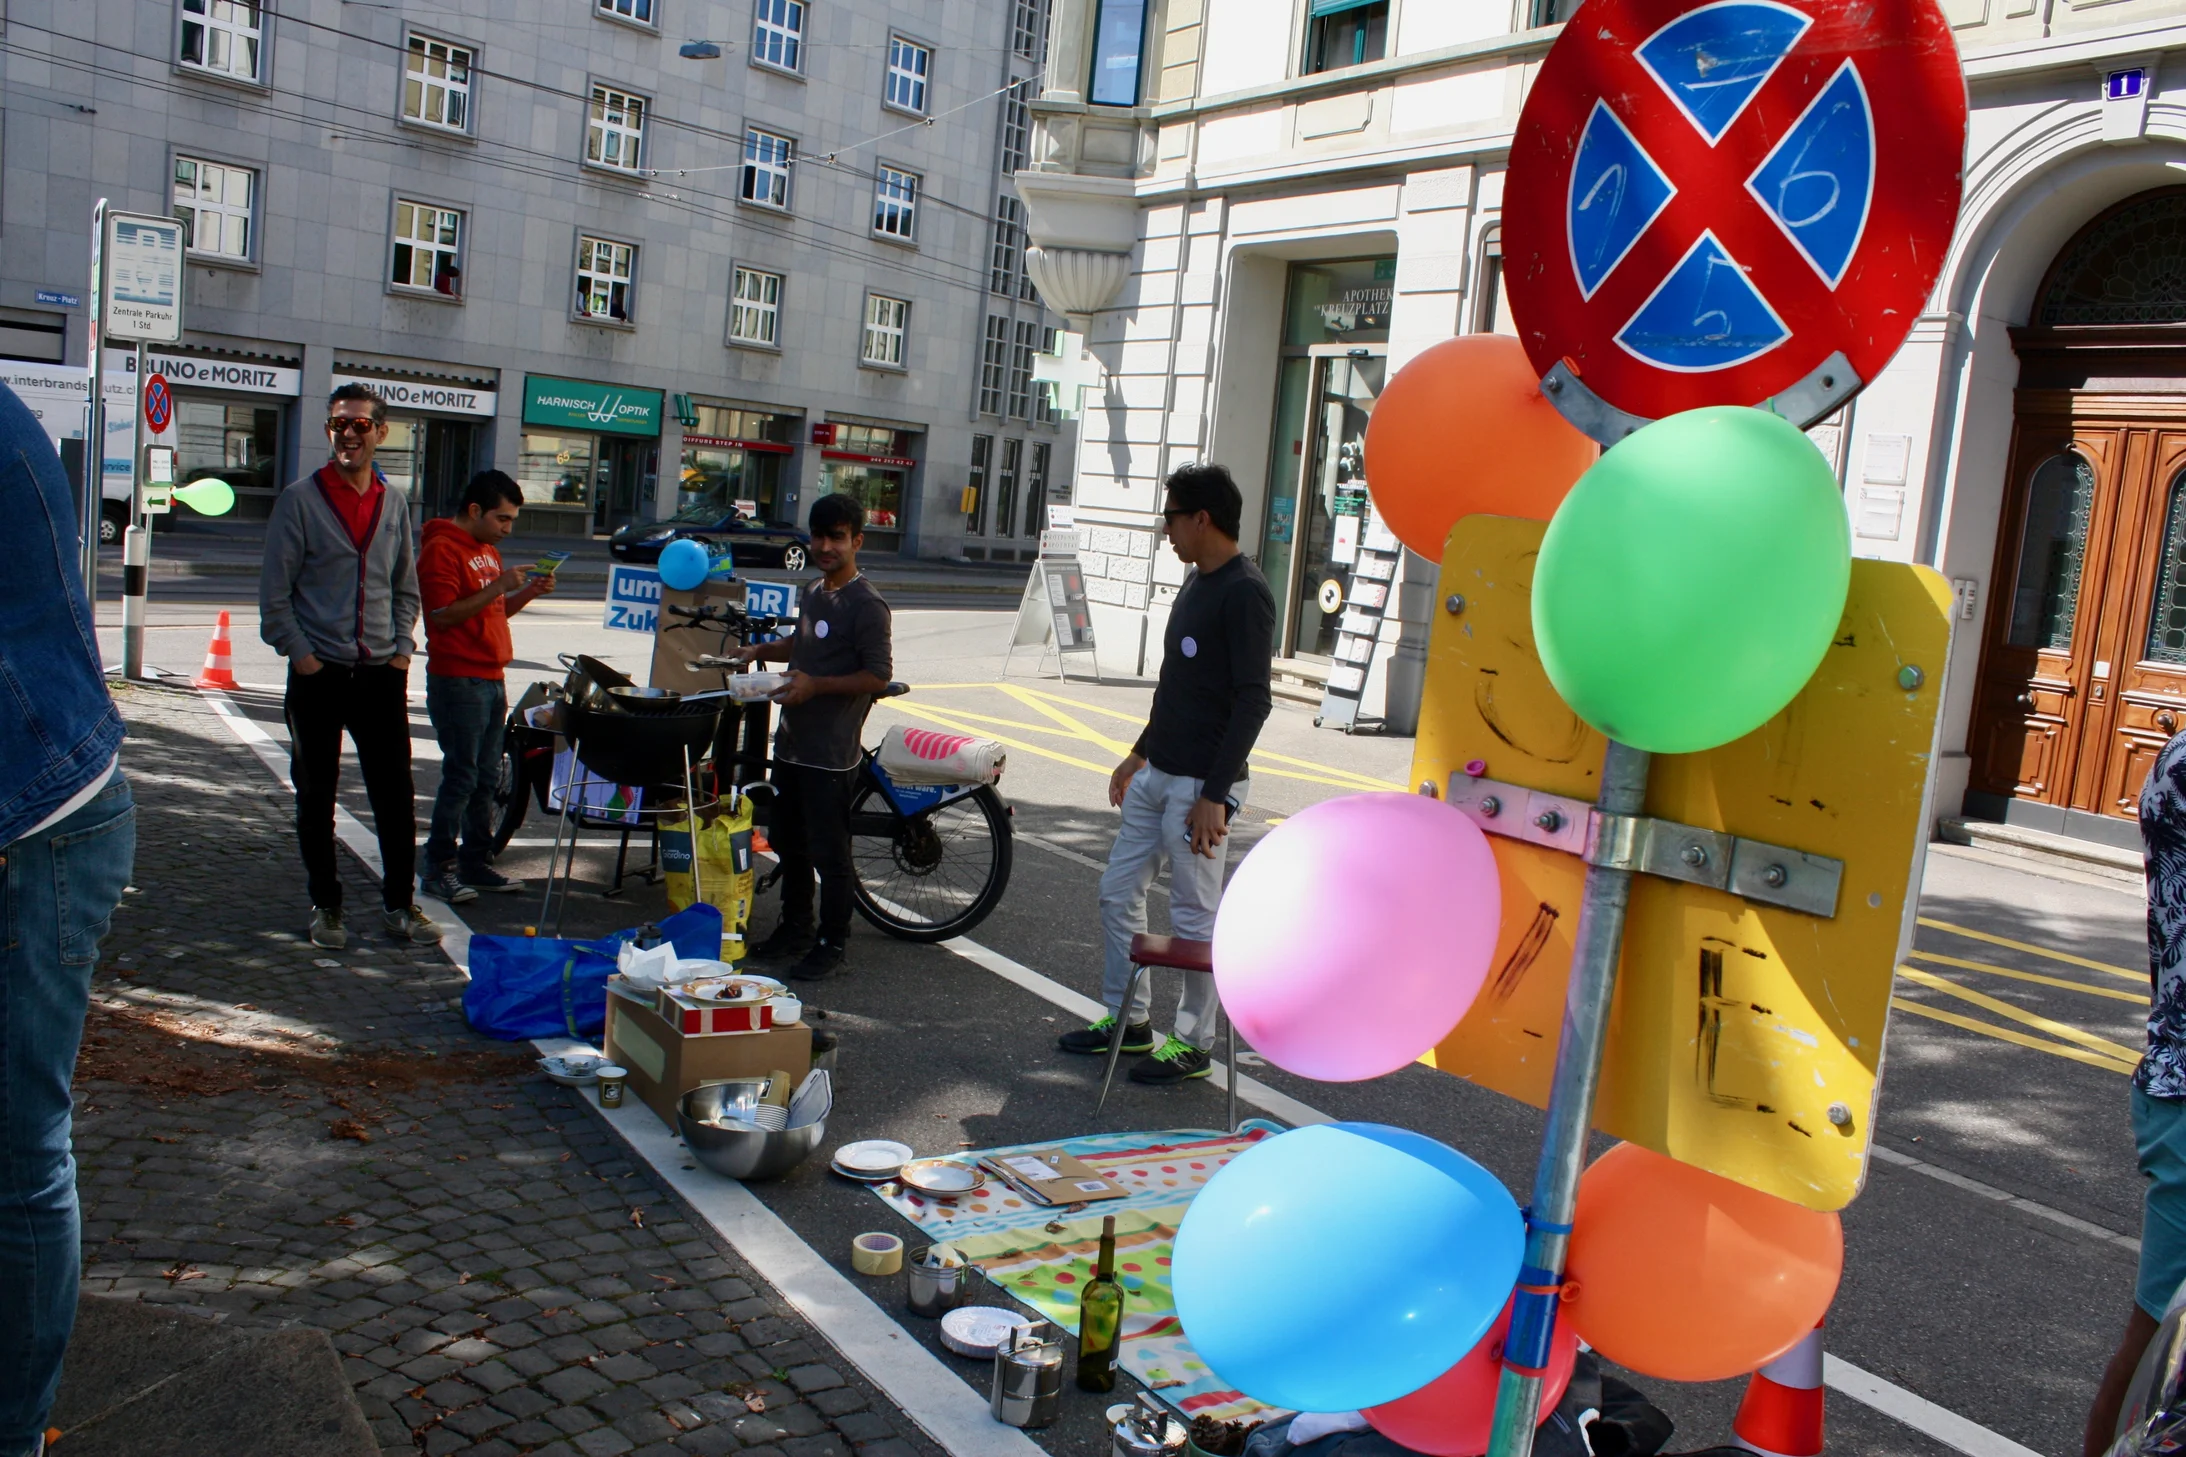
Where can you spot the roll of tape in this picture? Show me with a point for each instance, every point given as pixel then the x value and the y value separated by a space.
pixel 876 1254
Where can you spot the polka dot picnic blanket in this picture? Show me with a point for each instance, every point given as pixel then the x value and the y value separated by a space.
pixel 1041 1256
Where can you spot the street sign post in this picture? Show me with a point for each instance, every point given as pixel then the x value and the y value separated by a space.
pixel 1733 203
pixel 143 303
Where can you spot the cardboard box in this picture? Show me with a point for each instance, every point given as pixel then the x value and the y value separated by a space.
pixel 665 1064
pixel 673 652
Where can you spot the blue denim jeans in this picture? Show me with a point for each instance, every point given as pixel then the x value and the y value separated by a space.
pixel 57 889
pixel 469 716
pixel 1153 833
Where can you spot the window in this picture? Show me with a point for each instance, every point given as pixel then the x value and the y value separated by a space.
pixel 1028 342
pixel 2052 549
pixel 895 204
pixel 1119 35
pixel 226 37
pixel 1036 490
pixel 755 308
pixel 982 454
pixel 993 365
pixel 2167 613
pixel 766 168
pixel 640 11
pixel 1016 127
pixel 555 468
pixel 778 34
pixel 1043 400
pixel 428 244
pixel 884 328
pixel 436 84
pixel 606 272
pixel 1346 33
pixel 1029 34
pixel 907 68
pixel 214 201
pixel 1005 489
pixel 1009 247
pixel 614 134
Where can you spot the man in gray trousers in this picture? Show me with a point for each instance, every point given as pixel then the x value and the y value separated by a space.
pixel 338 597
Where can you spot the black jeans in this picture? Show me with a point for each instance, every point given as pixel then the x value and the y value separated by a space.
pixel 811 832
pixel 469 716
pixel 373 704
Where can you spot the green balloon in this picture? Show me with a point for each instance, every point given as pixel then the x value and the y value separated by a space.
pixel 1691 582
pixel 207 496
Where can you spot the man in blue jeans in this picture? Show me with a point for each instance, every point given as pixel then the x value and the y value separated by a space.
pixel 68 839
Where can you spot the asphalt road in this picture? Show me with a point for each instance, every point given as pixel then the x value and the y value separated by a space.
pixel 1989 1262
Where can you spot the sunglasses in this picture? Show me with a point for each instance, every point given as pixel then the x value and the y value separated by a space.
pixel 1175 511
pixel 349 425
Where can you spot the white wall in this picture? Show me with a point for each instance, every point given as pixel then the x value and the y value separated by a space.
pixel 1245 43
pixel 1428 25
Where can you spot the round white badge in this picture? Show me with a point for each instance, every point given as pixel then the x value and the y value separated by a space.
pixel 1191 647
pixel 819 629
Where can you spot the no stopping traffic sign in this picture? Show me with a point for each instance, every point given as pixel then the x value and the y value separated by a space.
pixel 1736 203
pixel 159 403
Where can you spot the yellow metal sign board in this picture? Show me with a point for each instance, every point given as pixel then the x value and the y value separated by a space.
pixel 1746 1038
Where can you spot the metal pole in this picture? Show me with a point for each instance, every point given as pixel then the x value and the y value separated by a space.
pixel 136 555
pixel 94 470
pixel 1599 943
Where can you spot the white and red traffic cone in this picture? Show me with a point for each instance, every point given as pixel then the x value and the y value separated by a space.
pixel 219 670
pixel 1782 1413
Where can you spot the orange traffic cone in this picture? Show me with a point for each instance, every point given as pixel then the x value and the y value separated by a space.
pixel 219 672
pixel 1782 1413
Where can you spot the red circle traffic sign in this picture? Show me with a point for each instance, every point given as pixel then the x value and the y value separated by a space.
pixel 159 403
pixel 1742 202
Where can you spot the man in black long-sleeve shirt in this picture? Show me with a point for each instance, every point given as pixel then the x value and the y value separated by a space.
pixel 1185 776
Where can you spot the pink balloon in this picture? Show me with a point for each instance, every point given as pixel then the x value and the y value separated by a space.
pixel 1357 934
pixel 1450 1415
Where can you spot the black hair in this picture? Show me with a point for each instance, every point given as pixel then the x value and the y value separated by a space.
pixel 488 489
pixel 364 392
pixel 838 509
pixel 1204 486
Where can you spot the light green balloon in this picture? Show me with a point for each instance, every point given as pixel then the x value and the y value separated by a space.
pixel 1691 582
pixel 208 496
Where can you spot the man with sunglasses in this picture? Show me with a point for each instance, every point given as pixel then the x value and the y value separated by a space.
pixel 338 597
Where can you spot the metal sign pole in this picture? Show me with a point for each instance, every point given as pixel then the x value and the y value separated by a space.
pixel 1598 944
pixel 94 467
pixel 136 547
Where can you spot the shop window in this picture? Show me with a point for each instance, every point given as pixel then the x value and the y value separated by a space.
pixel 908 63
pixel 755 308
pixel 2052 549
pixel 1016 127
pixel 994 365
pixel 886 321
pixel 766 168
pixel 428 248
pixel 1343 302
pixel 614 135
pixel 1021 351
pixel 1119 39
pixel 238 443
pixel 718 479
pixel 606 276
pixel 214 202
pixel 556 468
pixel 638 11
pixel 976 482
pixel 1005 488
pixel 1007 266
pixel 1028 34
pixel 436 84
pixel 1036 489
pixel 1346 33
pixel 895 204
pixel 878 489
pixel 224 38
pixel 778 34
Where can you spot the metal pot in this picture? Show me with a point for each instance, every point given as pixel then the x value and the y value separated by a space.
pixel 648 749
pixel 715 1121
pixel 1148 1430
pixel 1028 1376
pixel 644 700
pixel 937 1278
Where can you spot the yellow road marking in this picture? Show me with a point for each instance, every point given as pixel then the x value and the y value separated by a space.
pixel 1039 703
pixel 1987 1003
pixel 1260 757
pixel 2005 1034
pixel 2048 981
pixel 1967 931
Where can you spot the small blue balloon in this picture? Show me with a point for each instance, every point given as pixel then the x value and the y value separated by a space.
pixel 1341 1266
pixel 683 564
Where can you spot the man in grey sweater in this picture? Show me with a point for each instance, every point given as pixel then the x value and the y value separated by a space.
pixel 338 597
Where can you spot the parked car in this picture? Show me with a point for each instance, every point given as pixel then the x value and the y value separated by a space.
pixel 750 542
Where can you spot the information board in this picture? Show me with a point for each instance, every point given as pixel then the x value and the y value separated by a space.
pixel 144 278
pixel 633 599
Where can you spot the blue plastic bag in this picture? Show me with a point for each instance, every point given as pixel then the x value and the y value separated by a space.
pixel 537 986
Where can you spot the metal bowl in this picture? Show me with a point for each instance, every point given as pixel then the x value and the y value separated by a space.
pixel 645 700
pixel 714 1121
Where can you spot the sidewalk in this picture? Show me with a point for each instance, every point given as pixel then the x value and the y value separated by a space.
pixel 290 1135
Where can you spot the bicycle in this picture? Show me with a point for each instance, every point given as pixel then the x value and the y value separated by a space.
pixel 930 861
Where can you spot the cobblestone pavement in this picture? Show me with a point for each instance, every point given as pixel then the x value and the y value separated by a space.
pixel 277 1131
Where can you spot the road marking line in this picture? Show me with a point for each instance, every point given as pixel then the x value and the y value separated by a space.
pixel 1038 703
pixel 1907 1162
pixel 1917 1412
pixel 2032 950
pixel 1259 756
pixel 2005 1034
pixel 1987 1003
pixel 1991 969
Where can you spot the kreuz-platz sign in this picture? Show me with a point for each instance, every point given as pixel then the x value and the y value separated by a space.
pixel 1738 203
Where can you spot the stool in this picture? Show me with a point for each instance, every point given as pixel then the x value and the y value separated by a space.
pixel 1191 958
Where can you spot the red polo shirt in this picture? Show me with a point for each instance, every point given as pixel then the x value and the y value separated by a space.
pixel 359 510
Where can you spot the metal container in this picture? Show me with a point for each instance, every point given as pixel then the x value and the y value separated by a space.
pixel 1028 1376
pixel 717 1126
pixel 937 1278
pixel 1147 1430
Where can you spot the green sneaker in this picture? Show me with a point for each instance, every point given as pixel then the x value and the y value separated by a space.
pixel 1175 1061
pixel 1138 1037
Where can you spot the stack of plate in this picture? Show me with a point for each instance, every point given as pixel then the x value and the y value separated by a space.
pixel 975 1330
pixel 941 1179
pixel 873 1161
pixel 574 1070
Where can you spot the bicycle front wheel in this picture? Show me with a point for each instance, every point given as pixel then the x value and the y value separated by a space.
pixel 933 875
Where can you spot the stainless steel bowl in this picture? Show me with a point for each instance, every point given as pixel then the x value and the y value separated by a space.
pixel 716 1127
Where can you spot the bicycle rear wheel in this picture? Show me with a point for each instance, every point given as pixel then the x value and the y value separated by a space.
pixel 933 875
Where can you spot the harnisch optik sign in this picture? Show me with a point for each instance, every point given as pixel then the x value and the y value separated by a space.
pixel 421 394
pixel 575 405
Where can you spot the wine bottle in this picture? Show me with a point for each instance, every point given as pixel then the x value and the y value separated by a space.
pixel 1100 1317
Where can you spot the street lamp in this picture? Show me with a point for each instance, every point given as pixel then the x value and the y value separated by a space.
pixel 700 50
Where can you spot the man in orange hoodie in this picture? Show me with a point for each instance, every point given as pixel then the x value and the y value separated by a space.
pixel 469 597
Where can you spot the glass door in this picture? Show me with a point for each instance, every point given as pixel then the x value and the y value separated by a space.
pixel 1341 387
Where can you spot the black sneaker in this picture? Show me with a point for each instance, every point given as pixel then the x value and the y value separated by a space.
pixel 485 877
pixel 1175 1061
pixel 822 961
pixel 441 884
pixel 1138 1037
pixel 784 943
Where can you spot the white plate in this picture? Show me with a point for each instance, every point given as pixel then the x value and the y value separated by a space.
pixel 975 1330
pixel 857 1178
pixel 873 1158
pixel 941 1179
pixel 573 1072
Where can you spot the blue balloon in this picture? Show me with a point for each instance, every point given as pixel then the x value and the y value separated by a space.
pixel 683 564
pixel 1344 1265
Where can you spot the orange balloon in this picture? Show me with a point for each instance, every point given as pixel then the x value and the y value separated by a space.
pixel 1464 430
pixel 1683 1275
